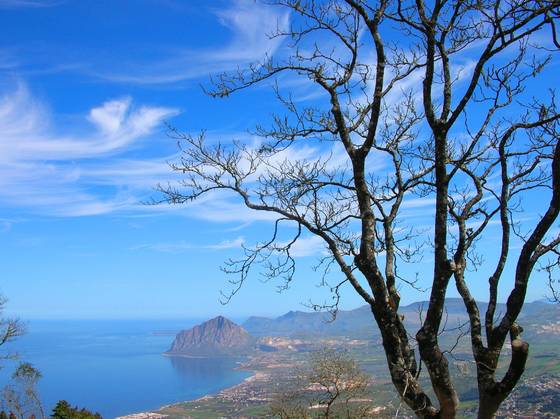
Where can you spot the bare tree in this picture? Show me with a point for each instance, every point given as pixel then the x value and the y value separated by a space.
pixel 331 383
pixel 9 329
pixel 447 94
pixel 11 398
pixel 21 396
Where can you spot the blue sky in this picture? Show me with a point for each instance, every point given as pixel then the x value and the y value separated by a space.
pixel 85 88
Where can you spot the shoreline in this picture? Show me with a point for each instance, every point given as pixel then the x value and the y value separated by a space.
pixel 246 380
pixel 155 414
pixel 222 356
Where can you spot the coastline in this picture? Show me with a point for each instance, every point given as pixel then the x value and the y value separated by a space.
pixel 255 376
pixel 225 392
pixel 174 355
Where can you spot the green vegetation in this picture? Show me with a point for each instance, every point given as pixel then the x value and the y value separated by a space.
pixel 63 410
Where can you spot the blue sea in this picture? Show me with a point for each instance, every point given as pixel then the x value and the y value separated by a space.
pixel 116 367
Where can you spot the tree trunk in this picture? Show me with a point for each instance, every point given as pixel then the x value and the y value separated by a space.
pixel 487 407
pixel 402 365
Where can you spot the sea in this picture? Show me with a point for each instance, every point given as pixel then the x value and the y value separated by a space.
pixel 116 367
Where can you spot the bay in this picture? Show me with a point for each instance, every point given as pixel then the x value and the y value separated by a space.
pixel 116 367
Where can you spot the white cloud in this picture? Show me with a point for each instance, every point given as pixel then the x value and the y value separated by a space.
pixel 219 207
pixel 48 172
pixel 89 174
pixel 7 223
pixel 250 23
pixel 308 246
pixel 110 116
pixel 227 244
pixel 303 247
pixel 9 4
pixel 182 246
pixel 28 136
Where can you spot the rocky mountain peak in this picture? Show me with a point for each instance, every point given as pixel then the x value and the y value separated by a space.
pixel 216 337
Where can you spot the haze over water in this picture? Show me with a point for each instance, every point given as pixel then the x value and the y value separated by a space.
pixel 117 367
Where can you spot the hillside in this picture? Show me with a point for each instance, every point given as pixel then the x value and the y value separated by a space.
pixel 359 322
pixel 215 337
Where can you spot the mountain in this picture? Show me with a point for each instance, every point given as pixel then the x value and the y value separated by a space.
pixel 222 337
pixel 360 323
pixel 301 323
pixel 216 337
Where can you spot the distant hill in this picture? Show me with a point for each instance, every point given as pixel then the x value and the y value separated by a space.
pixel 216 337
pixel 298 323
pixel 222 337
pixel 360 322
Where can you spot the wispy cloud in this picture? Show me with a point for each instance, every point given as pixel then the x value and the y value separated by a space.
pixel 182 246
pixel 249 22
pixel 303 247
pixel 308 246
pixel 49 172
pixel 7 59
pixel 89 170
pixel 224 208
pixel 12 4
pixel 28 136
pixel 7 223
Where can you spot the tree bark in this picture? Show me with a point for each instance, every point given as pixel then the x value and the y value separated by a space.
pixel 402 365
pixel 487 407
